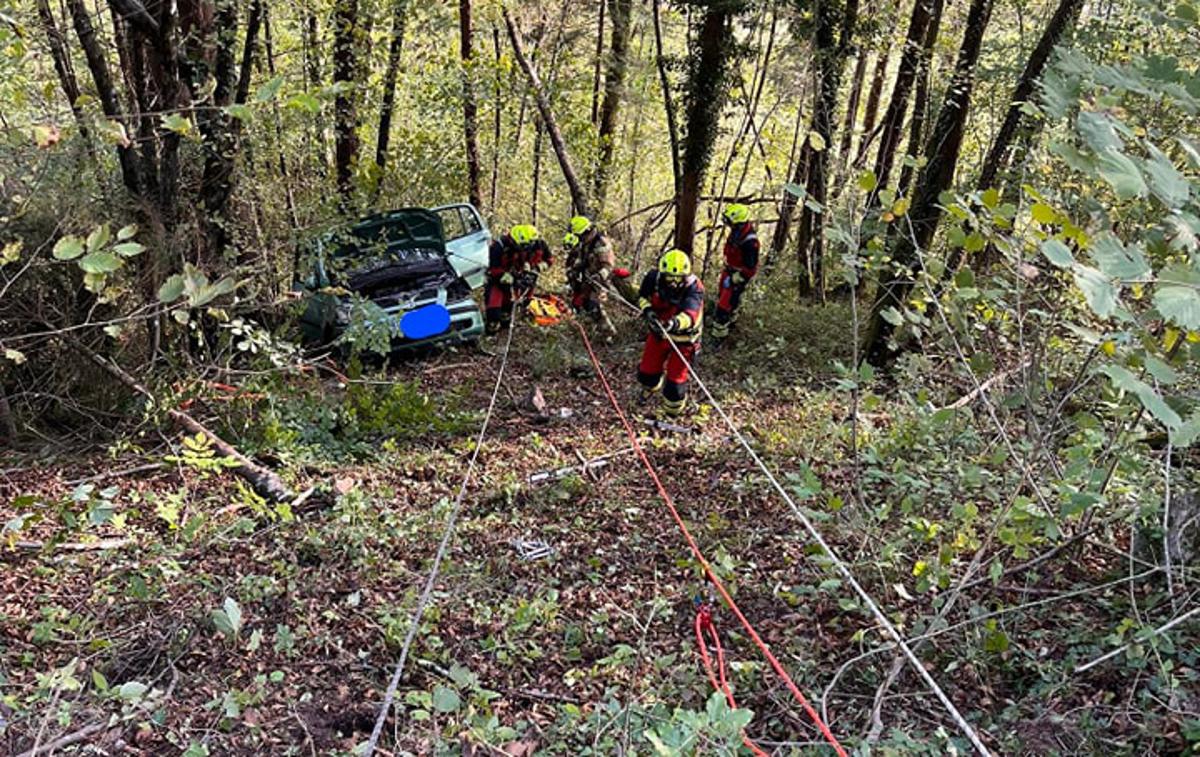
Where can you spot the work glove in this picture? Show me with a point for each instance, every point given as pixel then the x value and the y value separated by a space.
pixel 507 279
pixel 675 325
pixel 603 274
pixel 526 280
pixel 738 278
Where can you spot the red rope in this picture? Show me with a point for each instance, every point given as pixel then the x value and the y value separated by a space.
pixel 708 571
pixel 704 623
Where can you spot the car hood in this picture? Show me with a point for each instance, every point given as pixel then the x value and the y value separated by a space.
pixel 389 252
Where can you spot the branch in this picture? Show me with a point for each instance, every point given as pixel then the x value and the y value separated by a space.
pixel 1156 632
pixel 136 13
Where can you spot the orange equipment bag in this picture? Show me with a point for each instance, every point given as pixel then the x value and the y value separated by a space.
pixel 547 309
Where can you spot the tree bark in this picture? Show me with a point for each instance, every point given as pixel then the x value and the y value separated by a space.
pixel 705 97
pixel 916 126
pixel 345 113
pixel 871 110
pixel 543 104
pixel 660 62
pixel 893 118
pixel 614 91
pixel 312 45
pixel 851 119
pixel 8 427
pixel 98 65
pixel 253 25
pixel 62 62
pixel 395 47
pixel 496 123
pixel 470 109
pixel 937 176
pixel 597 65
pixel 217 127
pixel 999 156
pixel 832 48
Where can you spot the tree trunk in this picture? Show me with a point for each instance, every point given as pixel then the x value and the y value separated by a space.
pixel 395 47
pixel 660 62
pixel 556 139
pixel 893 119
pixel 496 123
pixel 247 68
pixel 596 67
pixel 98 65
pixel 614 91
pixel 787 206
pixel 871 110
pixel 217 127
pixel 851 119
pixel 8 427
pixel 937 176
pixel 999 156
pixel 470 108
pixel 312 45
pixel 831 51
pixel 345 31
pixel 705 97
pixel 916 126
pixel 62 63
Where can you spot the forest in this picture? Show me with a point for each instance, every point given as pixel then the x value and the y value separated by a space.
pixel 599 377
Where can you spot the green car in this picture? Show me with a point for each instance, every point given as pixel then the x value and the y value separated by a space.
pixel 398 262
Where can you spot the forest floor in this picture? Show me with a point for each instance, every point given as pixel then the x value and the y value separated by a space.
pixel 130 640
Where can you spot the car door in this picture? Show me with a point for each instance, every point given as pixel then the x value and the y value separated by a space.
pixel 467 240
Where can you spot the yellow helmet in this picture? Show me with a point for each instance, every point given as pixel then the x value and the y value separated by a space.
pixel 570 240
pixel 580 225
pixel 675 263
pixel 524 234
pixel 736 213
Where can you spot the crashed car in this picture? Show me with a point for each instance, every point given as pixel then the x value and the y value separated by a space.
pixel 397 262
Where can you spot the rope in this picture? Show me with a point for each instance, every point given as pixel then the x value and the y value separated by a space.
pixel 878 614
pixel 699 556
pixel 423 602
pixel 704 623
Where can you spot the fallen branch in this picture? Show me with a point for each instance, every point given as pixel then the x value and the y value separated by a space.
pixel 1156 632
pixel 984 387
pixel 71 738
pixel 93 546
pixel 116 474
pixel 265 482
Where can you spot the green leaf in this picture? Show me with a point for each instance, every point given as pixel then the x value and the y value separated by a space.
pixel 177 123
pixel 240 111
pixel 127 232
pixel 1187 434
pixel 1123 174
pixel 1167 183
pixel 990 198
pixel 816 141
pixel 445 699
pixel 99 681
pixel 1097 289
pixel 867 181
pixel 1058 253
pixel 268 91
pixel 128 249
pixel 99 237
pixel 1161 372
pixel 1179 305
pixel 1124 380
pixel 132 690
pixel 795 190
pixel 304 102
pixel 100 262
pixel 1187 12
pixel 1117 260
pixel 68 248
pixel 234 612
pixel 1098 132
pixel 1043 213
pixel 171 289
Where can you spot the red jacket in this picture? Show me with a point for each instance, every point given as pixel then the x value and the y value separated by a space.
pixel 504 256
pixel 741 249
pixel 667 303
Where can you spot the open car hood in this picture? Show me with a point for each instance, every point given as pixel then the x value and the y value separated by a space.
pixel 386 250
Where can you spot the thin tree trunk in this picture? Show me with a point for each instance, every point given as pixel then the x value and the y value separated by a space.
pixel 999 156
pixel 8 427
pixel 220 141
pixel 614 91
pixel 109 103
pixel 942 155
pixel 496 123
pixel 893 119
pixel 312 46
pixel 345 67
pixel 556 139
pixel 831 57
pixel 871 110
pixel 293 216
pixel 470 108
pixel 851 120
pixel 596 66
pixel 787 206
pixel 395 48
pixel 253 25
pixel 62 63
pixel 706 93
pixel 660 62
pixel 538 135
pixel 916 127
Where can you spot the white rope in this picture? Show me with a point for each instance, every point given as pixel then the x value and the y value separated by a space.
pixel 423 602
pixel 880 618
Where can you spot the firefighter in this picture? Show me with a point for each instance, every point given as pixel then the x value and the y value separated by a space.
pixel 589 269
pixel 672 301
pixel 514 262
pixel 741 263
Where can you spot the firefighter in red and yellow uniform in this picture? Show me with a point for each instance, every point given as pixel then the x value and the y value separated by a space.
pixel 589 268
pixel 741 263
pixel 672 301
pixel 514 262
